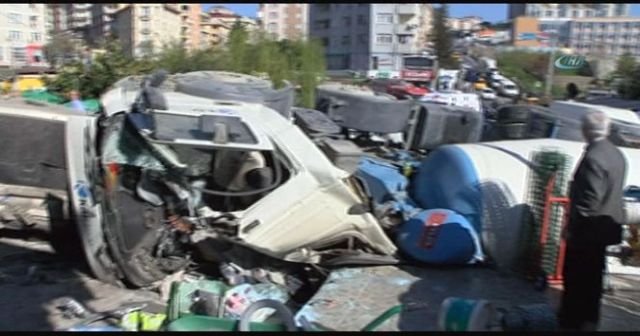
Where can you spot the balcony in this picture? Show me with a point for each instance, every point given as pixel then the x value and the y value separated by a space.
pixel 408 9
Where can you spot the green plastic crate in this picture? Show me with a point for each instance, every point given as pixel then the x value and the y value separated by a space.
pixel 181 300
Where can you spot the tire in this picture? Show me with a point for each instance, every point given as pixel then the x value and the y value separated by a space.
pixel 513 114
pixel 512 131
pixel 64 236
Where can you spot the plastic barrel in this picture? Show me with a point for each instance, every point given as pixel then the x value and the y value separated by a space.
pixel 440 237
pixel 457 314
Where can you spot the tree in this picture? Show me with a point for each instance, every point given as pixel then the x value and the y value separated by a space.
pixel 60 48
pixel 312 66
pixel 626 65
pixel 442 37
pixel 238 48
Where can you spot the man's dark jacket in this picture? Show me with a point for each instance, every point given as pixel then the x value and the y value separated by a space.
pixel 597 196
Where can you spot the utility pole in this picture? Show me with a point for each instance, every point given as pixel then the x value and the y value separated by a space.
pixel 552 56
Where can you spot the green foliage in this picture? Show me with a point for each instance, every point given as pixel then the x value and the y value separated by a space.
pixel 626 65
pixel 300 62
pixel 441 37
pixel 532 67
pixel 59 48
pixel 628 71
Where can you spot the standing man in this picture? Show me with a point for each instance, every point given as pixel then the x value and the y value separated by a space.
pixel 76 103
pixel 595 222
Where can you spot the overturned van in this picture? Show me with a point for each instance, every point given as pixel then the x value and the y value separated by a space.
pixel 174 171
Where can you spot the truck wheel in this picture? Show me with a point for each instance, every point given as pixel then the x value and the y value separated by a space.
pixel 64 237
pixel 513 114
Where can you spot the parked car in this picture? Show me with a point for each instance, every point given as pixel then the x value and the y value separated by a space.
pixel 508 89
pixel 398 88
pixel 480 84
pixel 488 94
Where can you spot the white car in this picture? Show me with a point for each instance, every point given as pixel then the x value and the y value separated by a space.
pixel 488 94
pixel 508 89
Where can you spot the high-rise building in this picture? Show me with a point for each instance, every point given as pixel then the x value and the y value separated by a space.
pixel 467 23
pixel 284 20
pixel 191 15
pixel 220 21
pixel 23 33
pixel 56 20
pixel 147 27
pixel 605 36
pixel 568 10
pixel 367 36
pixel 102 20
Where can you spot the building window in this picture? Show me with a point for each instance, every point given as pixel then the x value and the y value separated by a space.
pixel 185 7
pixel 346 40
pixel 403 39
pixel 18 54
pixel 146 10
pixel 374 61
pixel 273 15
pixel 384 18
pixel 36 37
pixel 627 25
pixel 15 35
pixel 33 21
pixel 15 18
pixel 1 54
pixel 589 13
pixel 362 38
pixel 347 21
pixel 362 20
pixel 384 38
pixel 272 27
pixel 548 14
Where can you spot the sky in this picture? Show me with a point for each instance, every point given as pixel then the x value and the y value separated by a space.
pixel 489 12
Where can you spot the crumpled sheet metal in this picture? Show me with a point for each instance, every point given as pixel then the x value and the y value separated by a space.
pixel 351 298
pixel 122 148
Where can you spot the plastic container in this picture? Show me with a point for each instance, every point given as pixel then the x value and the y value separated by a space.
pixel 458 314
pixel 440 236
pixel 181 299
pixel 208 323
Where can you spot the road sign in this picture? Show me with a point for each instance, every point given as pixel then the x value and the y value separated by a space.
pixel 569 62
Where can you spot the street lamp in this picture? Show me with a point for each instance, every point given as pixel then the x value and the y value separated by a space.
pixel 549 80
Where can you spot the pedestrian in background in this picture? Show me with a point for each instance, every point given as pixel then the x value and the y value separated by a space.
pixel 595 221
pixel 76 103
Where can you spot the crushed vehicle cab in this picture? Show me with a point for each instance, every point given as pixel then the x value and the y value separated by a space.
pixel 176 171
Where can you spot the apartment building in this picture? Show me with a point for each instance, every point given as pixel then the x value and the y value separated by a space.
pixel 369 36
pixel 568 10
pixel 284 20
pixel 22 34
pixel 102 21
pixel 56 18
pixel 147 27
pixel 610 36
pixel 220 21
pixel 191 16
pixel 467 23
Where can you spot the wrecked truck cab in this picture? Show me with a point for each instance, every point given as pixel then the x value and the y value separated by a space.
pixel 195 171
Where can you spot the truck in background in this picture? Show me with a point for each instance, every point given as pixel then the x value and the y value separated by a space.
pixel 418 69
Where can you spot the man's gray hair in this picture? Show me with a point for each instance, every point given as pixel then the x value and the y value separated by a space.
pixel 595 125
